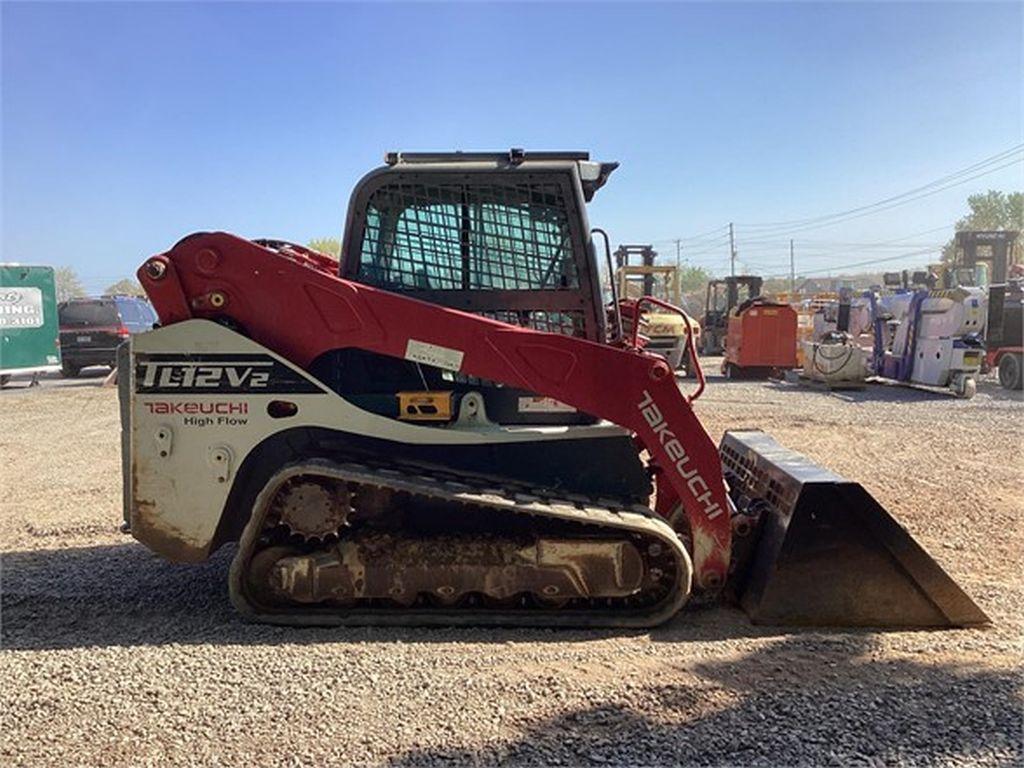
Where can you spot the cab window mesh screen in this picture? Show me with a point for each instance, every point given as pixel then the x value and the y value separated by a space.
pixel 468 237
pixel 570 323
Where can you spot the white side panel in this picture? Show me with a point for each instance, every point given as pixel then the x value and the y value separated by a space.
pixel 200 396
pixel 932 364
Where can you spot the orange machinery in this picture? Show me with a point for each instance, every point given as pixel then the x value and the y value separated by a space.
pixel 761 339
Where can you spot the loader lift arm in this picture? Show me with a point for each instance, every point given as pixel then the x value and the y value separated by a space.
pixel 288 299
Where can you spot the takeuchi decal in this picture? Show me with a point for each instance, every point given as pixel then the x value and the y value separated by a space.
pixel 165 407
pixel 680 458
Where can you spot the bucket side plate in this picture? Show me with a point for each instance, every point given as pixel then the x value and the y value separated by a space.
pixel 829 554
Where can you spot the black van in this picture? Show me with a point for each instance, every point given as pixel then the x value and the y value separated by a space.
pixel 92 329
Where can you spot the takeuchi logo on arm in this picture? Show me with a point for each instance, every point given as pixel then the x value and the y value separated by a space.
pixel 680 458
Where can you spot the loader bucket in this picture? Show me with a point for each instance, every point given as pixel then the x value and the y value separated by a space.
pixel 828 554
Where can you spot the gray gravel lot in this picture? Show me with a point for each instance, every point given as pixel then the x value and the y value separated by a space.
pixel 112 656
pixel 87 377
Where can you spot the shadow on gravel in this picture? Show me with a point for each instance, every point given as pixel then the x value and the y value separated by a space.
pixel 876 392
pixel 807 701
pixel 123 595
pixel 88 377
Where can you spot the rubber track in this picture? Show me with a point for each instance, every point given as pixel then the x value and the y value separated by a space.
pixel 482 493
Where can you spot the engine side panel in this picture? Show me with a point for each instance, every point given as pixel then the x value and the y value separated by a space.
pixel 290 301
pixel 203 397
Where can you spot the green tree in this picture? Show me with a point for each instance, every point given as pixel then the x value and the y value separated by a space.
pixel 693 283
pixel 125 287
pixel 68 284
pixel 991 210
pixel 329 245
pixel 693 278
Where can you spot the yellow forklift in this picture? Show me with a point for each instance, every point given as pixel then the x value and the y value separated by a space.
pixel 666 331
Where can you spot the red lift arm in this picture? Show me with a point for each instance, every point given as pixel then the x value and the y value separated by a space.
pixel 291 301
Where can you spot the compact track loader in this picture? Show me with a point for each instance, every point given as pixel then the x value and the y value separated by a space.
pixel 450 427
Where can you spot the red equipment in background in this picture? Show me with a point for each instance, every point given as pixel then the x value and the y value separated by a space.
pixel 761 339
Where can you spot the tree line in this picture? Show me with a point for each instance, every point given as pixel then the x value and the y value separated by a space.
pixel 69 286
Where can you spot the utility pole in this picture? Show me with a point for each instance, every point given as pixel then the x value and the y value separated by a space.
pixel 732 251
pixel 792 268
pixel 679 253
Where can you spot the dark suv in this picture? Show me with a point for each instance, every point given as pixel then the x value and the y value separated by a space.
pixel 92 329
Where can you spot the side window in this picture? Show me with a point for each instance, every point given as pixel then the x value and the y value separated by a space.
pixel 719 298
pixel 468 237
pixel 148 313
pixel 129 312
pixel 86 313
pixel 415 246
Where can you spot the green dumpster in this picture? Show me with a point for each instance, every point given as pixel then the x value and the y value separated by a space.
pixel 29 328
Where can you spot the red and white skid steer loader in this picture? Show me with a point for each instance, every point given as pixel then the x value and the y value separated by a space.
pixel 449 427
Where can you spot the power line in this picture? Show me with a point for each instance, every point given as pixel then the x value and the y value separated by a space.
pixel 792 267
pixel 893 241
pixel 909 200
pixel 732 250
pixel 840 251
pixel 799 222
pixel 830 244
pixel 717 251
pixel 705 234
pixel 692 238
pixel 867 262
pixel 691 244
pixel 990 165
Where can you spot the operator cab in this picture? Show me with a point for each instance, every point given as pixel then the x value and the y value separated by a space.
pixel 503 235
pixel 722 297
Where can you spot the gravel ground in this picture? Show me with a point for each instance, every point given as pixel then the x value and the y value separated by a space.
pixel 87 377
pixel 113 656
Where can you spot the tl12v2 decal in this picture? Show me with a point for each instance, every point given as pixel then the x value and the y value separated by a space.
pixel 209 373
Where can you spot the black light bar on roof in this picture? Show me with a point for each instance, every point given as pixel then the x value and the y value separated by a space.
pixel 513 156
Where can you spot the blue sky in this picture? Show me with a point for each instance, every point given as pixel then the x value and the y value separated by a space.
pixel 128 126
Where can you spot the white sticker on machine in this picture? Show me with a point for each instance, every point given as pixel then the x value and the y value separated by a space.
pixel 434 354
pixel 543 405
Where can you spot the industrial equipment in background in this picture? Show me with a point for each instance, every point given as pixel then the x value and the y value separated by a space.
pixel 447 429
pixel 906 280
pixel 808 308
pixel 832 356
pixel 665 330
pixel 986 259
pixel 29 342
pixel 930 339
pixel 980 258
pixel 721 298
pixel 1004 346
pixel 847 312
pixel 761 340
